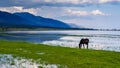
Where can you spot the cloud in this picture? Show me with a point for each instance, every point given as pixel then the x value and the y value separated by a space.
pixel 69 1
pixel 78 13
pixel 80 1
pixel 56 13
pixel 57 3
pixel 108 1
pixel 86 13
pixel 45 11
pixel 18 9
pixel 98 12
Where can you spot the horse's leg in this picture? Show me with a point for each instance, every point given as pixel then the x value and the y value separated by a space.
pixel 87 46
pixel 83 46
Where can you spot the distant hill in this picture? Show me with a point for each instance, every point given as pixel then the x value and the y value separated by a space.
pixel 12 20
pixel 45 22
pixel 25 19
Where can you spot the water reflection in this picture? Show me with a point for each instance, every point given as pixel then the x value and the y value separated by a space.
pixel 38 38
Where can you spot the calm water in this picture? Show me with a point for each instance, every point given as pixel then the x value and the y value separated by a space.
pixel 100 40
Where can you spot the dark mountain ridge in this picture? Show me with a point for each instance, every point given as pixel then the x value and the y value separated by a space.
pixel 25 19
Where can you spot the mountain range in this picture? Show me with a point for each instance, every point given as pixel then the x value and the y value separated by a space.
pixel 25 19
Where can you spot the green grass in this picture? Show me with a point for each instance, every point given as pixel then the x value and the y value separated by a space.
pixel 70 57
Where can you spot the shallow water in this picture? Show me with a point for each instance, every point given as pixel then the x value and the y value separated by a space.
pixel 101 40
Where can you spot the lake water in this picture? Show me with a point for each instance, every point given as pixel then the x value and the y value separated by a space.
pixel 99 40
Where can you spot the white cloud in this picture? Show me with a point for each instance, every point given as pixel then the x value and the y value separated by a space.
pixel 85 13
pixel 18 9
pixel 98 12
pixel 78 13
pixel 53 12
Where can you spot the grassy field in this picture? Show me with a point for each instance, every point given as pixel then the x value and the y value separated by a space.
pixel 70 57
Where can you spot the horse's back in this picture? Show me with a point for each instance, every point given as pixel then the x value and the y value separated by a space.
pixel 84 41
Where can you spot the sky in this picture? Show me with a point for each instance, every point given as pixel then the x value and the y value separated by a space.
pixel 100 14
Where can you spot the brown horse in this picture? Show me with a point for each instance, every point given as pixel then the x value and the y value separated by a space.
pixel 83 42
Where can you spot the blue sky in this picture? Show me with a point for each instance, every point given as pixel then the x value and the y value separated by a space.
pixel 86 13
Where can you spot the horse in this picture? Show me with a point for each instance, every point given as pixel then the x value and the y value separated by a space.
pixel 83 42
